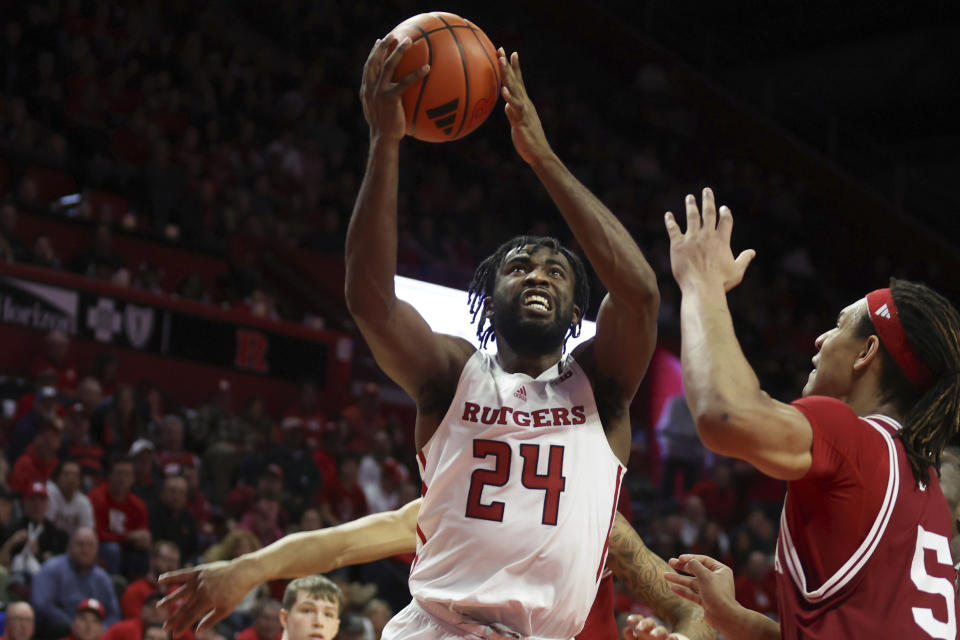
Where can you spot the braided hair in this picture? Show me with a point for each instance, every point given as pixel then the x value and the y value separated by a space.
pixel 485 280
pixel 931 416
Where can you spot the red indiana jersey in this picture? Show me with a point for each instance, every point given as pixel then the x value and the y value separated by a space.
pixel 863 552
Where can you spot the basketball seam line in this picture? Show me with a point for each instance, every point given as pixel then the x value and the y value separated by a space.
pixel 466 76
pixel 423 85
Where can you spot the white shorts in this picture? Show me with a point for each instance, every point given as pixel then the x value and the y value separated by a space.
pixel 414 622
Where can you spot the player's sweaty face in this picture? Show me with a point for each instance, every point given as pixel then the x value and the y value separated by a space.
pixel 532 303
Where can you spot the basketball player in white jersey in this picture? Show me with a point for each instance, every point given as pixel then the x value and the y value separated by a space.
pixel 521 453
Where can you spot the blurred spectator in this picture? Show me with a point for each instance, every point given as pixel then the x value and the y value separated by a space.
pixel 370 470
pixel 42 253
pixel 312 606
pixel 34 538
pixel 756 585
pixel 307 409
pixel 757 533
pixel 64 581
pixel 262 520
pixel 310 520
pixel 301 476
pixel 89 394
pixel 100 260
pixel 265 623
pixel 78 445
pixel 147 625
pixel 104 370
pixel 20 621
pixel 55 356
pixel 258 425
pixel 170 444
pixel 12 248
pixel 683 450
pixel 164 557
pixel 378 612
pixel 384 496
pixel 39 461
pixel 269 484
pixel 343 500
pixel 693 519
pixel 364 418
pixel 171 520
pixel 87 622
pixel 146 471
pixel 122 424
pixel 69 507
pixel 122 522
pixel 718 495
pixel 45 409
pixel 199 506
pixel 220 435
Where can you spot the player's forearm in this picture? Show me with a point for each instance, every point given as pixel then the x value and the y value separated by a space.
pixel 616 258
pixel 371 243
pixel 744 624
pixel 718 381
pixel 642 571
pixel 366 539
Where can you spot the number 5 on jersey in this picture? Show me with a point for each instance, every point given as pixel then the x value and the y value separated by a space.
pixel 552 483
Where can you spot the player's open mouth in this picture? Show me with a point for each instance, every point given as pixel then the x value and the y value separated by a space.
pixel 536 300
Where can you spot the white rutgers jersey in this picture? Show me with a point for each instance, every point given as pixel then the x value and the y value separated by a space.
pixel 520 491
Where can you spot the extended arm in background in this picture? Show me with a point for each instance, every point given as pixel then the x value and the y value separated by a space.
pixel 210 592
pixel 734 416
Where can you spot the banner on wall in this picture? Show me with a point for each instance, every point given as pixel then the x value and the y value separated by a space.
pixel 159 330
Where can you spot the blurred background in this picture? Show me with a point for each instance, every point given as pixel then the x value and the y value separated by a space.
pixel 175 183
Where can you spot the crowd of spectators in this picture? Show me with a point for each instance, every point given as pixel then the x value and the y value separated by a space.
pixel 209 127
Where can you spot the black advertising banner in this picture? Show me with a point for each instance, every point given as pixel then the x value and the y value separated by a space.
pixel 169 332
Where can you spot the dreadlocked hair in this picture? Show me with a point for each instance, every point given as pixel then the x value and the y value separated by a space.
pixel 485 280
pixel 931 416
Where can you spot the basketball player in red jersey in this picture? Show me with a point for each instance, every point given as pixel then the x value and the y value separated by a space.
pixel 525 445
pixel 217 588
pixel 863 550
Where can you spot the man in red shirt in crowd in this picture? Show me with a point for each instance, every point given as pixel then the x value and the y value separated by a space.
pixel 122 522
pixel 266 622
pixel 136 628
pixel 88 622
pixel 756 587
pixel 39 461
pixel 164 556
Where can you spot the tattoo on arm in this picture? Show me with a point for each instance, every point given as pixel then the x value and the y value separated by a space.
pixel 642 571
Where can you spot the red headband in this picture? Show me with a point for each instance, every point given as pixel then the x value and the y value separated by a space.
pixel 886 320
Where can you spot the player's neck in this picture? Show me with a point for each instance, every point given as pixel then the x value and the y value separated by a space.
pixel 869 401
pixel 531 364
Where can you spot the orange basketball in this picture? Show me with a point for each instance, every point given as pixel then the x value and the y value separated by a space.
pixel 464 80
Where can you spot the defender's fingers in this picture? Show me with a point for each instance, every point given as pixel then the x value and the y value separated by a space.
pixel 395 56
pixel 687 594
pixel 693 214
pixel 179 576
pixel 745 258
pixel 182 592
pixel 673 229
pixel 725 223
pixel 709 209
pixel 212 619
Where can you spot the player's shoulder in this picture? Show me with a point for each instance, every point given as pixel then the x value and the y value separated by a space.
pixel 824 411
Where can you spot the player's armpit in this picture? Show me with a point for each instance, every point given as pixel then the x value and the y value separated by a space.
pixel 642 571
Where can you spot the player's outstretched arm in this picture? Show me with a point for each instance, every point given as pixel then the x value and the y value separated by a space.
pixel 711 587
pixel 402 342
pixel 627 319
pixel 642 572
pixel 733 414
pixel 210 592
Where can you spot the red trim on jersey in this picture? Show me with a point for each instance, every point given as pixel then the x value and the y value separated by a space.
pixel 886 320
pixel 423 489
pixel 613 514
pixel 423 538
pixel 422 458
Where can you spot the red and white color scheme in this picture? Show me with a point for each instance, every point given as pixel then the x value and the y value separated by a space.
pixel 519 499
pixel 863 551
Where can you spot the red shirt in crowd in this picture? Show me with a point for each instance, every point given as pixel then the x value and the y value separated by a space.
pixel 720 505
pixel 29 469
pixel 251 634
pixel 758 596
pixel 66 373
pixel 132 629
pixel 116 519
pixel 345 504
pixel 132 601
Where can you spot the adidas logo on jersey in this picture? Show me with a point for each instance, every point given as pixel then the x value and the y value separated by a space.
pixel 883 312
pixel 521 393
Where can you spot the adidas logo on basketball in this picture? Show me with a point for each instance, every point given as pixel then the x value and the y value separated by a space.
pixel 883 312
pixel 521 393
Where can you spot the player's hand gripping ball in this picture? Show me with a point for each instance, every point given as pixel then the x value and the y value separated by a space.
pixel 463 84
